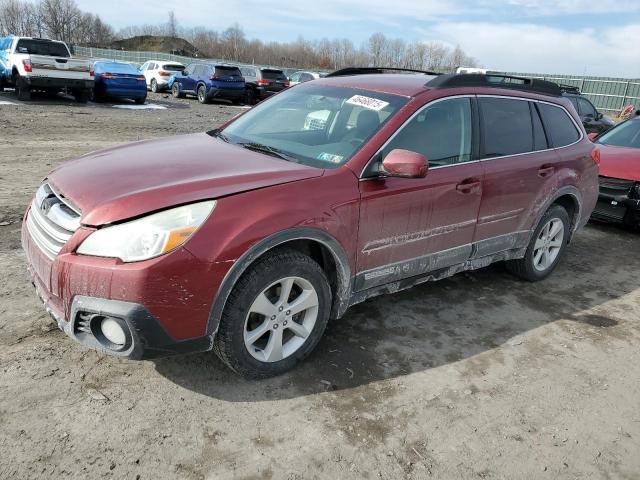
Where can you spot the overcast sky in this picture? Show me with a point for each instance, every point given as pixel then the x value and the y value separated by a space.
pixel 599 37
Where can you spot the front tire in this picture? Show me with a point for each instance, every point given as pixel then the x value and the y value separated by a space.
pixel 175 91
pixel 546 246
pixel 154 85
pixel 275 315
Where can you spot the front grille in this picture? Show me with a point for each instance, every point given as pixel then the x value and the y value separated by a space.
pixel 615 186
pixel 51 221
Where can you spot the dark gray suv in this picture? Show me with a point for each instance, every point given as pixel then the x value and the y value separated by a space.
pixel 263 82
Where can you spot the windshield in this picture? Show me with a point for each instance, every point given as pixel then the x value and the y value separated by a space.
pixel 315 125
pixel 42 47
pixel 626 134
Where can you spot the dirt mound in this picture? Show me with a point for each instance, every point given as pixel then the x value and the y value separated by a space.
pixel 152 43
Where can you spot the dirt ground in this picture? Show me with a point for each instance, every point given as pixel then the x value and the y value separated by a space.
pixel 478 376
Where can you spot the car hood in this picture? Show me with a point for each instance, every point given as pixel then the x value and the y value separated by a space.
pixel 620 162
pixel 130 180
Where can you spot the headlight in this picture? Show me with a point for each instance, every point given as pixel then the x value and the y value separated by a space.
pixel 149 236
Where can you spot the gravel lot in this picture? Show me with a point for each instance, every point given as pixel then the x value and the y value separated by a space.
pixel 478 376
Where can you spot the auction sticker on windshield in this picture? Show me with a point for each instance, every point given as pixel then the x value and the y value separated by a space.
pixel 367 102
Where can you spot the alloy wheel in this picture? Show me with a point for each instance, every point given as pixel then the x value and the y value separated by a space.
pixel 548 244
pixel 280 319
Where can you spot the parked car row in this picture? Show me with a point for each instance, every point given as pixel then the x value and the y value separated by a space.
pixel 208 81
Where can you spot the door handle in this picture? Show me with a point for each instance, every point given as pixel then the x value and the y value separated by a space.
pixel 468 186
pixel 546 170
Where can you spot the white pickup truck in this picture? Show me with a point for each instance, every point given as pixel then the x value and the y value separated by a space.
pixel 36 64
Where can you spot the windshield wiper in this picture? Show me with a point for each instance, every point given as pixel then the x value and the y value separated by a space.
pixel 274 152
pixel 220 135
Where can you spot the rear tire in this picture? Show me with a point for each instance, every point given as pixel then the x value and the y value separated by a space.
pixel 154 85
pixel 292 324
pixel 251 96
pixel 202 94
pixel 82 96
pixel 140 101
pixel 23 91
pixel 545 248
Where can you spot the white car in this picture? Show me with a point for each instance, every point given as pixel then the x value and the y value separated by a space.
pixel 38 64
pixel 157 73
pixel 300 77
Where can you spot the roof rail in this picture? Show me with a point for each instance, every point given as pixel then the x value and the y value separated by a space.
pixel 569 88
pixel 369 70
pixel 495 81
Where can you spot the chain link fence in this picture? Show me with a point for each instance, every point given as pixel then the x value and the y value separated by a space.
pixel 608 94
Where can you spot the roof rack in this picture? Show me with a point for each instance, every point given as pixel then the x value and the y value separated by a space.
pixel 369 70
pixel 569 88
pixel 495 81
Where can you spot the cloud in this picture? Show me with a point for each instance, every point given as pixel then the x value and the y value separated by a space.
pixel 531 48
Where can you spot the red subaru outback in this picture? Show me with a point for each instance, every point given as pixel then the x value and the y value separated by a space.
pixel 247 239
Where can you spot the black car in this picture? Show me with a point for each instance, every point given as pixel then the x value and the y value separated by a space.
pixel 592 119
pixel 263 82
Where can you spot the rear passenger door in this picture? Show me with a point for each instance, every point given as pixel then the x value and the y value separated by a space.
pixel 519 168
pixel 412 226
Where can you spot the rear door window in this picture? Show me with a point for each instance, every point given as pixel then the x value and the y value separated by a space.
pixel 562 131
pixel 506 126
pixel 441 132
pixel 539 137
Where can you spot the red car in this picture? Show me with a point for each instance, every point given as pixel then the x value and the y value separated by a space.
pixel 247 239
pixel 619 150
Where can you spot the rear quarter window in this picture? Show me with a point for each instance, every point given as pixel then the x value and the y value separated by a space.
pixel 559 125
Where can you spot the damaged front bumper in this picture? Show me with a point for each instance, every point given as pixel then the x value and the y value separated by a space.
pixel 617 208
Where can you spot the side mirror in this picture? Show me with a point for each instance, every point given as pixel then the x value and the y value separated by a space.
pixel 592 136
pixel 405 163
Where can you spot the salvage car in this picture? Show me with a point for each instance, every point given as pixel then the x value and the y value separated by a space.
pixel 158 73
pixel 619 151
pixel 209 81
pixel 301 77
pixel 593 120
pixel 262 82
pixel 118 80
pixel 38 64
pixel 247 239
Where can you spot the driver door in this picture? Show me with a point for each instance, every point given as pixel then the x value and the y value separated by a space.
pixel 410 226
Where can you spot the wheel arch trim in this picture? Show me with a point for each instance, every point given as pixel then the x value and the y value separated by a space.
pixel 343 270
pixel 568 190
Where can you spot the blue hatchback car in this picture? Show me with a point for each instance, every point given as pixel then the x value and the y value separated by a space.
pixel 118 80
pixel 208 81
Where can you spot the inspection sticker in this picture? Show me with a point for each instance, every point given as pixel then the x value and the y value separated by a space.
pixel 330 157
pixel 367 102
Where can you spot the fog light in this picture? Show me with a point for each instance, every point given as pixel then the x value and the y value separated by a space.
pixel 112 331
